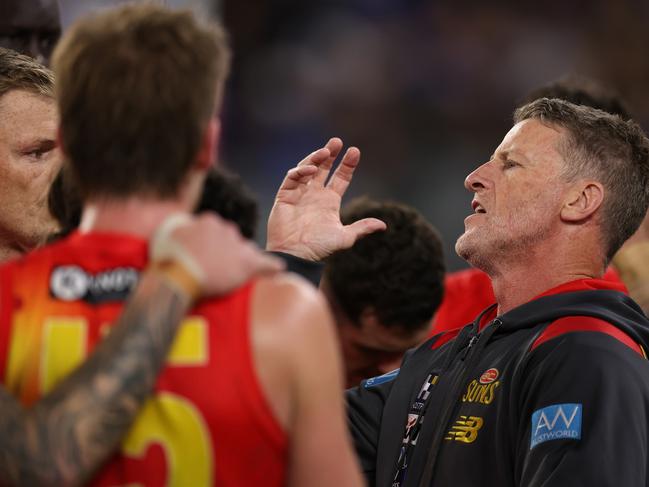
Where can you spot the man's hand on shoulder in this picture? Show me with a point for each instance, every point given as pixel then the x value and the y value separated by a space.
pixel 214 257
pixel 305 219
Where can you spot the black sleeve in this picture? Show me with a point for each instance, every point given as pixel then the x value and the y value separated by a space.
pixel 311 271
pixel 364 412
pixel 583 414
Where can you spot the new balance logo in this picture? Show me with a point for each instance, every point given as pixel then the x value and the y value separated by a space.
pixel 556 422
pixel 465 429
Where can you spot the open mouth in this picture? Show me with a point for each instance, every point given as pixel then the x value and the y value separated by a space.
pixel 477 207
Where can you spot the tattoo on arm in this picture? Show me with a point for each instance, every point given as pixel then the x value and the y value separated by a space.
pixel 67 435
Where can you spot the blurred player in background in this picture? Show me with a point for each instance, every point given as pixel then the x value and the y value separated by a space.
pixel 29 158
pixel 244 399
pixel 30 27
pixel 64 437
pixel 384 290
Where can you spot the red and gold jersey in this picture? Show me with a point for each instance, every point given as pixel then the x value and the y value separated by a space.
pixel 208 421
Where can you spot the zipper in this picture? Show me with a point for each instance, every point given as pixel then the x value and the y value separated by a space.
pixel 456 390
pixel 472 342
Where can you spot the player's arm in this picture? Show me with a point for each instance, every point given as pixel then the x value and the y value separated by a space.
pixel 584 414
pixel 297 355
pixel 67 435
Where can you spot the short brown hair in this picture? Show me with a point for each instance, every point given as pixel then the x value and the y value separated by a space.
pixel 605 147
pixel 20 72
pixel 136 87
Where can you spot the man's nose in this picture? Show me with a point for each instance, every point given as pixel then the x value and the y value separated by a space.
pixel 476 181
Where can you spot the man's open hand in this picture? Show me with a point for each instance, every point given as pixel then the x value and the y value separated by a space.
pixel 305 219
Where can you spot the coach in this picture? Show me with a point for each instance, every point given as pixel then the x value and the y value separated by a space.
pixel 551 385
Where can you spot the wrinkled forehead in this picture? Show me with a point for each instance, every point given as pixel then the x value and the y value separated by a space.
pixel 533 141
pixel 29 14
pixel 28 112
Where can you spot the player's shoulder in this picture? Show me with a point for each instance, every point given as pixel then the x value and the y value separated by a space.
pixel 288 302
pixel 36 257
pixel 288 289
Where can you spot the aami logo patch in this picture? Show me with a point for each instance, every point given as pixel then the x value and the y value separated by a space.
pixel 72 283
pixel 556 422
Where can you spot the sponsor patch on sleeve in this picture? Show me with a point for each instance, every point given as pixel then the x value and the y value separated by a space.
pixel 556 422
pixel 381 379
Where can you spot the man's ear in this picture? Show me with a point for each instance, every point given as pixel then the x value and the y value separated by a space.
pixel 583 200
pixel 206 157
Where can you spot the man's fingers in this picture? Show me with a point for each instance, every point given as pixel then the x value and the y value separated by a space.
pixel 334 146
pixel 297 176
pixel 345 171
pixel 362 228
pixel 316 158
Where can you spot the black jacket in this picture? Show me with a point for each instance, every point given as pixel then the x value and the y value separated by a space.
pixel 573 411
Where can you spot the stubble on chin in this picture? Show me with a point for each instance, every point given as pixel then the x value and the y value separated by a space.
pixel 467 248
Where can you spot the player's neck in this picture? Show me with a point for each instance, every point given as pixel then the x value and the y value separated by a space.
pixel 9 252
pixel 133 216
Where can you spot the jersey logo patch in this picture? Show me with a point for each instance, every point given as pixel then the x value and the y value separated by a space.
pixel 556 422
pixel 381 379
pixel 72 283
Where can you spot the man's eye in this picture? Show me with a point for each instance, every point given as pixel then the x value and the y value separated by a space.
pixel 509 163
pixel 37 154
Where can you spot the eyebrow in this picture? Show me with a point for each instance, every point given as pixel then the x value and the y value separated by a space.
pixel 42 142
pixel 506 154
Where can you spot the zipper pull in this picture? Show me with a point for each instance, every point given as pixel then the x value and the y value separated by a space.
pixel 472 342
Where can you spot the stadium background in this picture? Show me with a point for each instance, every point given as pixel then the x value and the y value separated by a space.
pixel 425 88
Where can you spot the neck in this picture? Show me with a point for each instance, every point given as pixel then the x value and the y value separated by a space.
pixel 9 252
pixel 134 216
pixel 516 283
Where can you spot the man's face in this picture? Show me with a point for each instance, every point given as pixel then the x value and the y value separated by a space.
pixel 30 27
pixel 518 196
pixel 29 161
pixel 369 348
pixel 372 349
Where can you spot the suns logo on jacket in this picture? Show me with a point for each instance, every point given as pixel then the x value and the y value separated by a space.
pixel 483 390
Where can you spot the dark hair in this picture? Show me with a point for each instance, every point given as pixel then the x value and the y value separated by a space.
pixel 226 194
pixel 607 148
pixel 398 273
pixel 136 87
pixel 582 90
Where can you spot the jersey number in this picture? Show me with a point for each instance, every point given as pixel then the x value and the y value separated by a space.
pixel 166 419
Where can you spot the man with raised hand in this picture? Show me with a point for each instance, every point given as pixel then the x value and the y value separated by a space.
pixel 530 392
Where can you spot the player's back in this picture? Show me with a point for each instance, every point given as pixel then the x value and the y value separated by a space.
pixel 208 422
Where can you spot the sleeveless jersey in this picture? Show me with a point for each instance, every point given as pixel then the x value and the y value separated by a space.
pixel 207 422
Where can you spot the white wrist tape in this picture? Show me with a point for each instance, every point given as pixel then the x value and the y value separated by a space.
pixel 163 247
